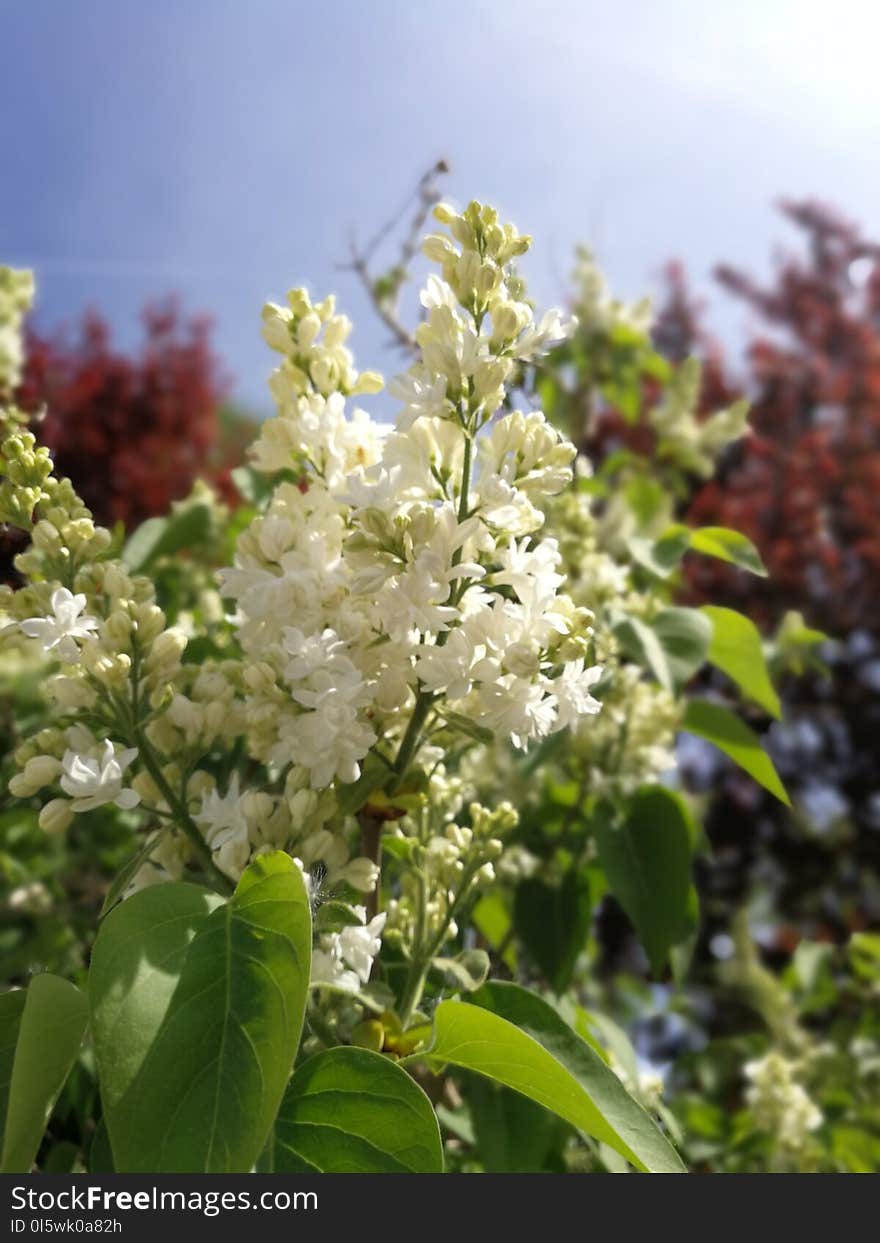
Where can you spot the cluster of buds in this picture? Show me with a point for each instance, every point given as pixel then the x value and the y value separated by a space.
pixel 782 1108
pixel 311 337
pixel 16 297
pixel 452 864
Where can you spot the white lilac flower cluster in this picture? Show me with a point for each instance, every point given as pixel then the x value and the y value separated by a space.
pixel 397 587
pixel 16 295
pixel 632 741
pixel 597 310
pixel 400 579
pixel 693 443
pixel 781 1107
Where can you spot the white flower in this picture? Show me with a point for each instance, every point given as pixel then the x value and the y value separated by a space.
pixel 572 692
pixel 344 959
pixel 359 944
pixel 328 969
pixel 59 633
pixel 330 740
pixel 517 707
pixel 530 571
pixel 542 336
pixel 450 667
pixel 222 817
pixel 94 781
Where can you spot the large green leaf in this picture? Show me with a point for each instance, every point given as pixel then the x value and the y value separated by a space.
pixel 45 1028
pixel 736 650
pixel 197 1011
pixel 646 856
pixel 732 736
pixel 684 636
pixel 349 1111
pixel 516 1038
pixel 553 922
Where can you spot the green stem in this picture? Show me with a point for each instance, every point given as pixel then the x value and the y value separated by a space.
pixel 182 817
pixel 177 806
pixel 410 741
pixel 371 846
pixel 464 498
pixel 413 989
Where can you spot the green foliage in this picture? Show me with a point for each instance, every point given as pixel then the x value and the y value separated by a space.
pixel 41 1031
pixel 197 1008
pixel 162 537
pixel 349 1111
pixel 553 923
pixel 517 1039
pixel 512 1134
pixel 732 736
pixel 736 650
pixel 730 546
pixel 646 854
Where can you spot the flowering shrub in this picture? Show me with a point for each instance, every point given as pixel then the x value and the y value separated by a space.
pixel 802 485
pixel 403 741
pixel 134 433
pixel 796 1091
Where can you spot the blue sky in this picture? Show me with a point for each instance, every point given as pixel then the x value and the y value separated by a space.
pixel 225 148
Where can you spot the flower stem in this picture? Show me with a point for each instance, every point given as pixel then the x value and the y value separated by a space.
pixel 181 816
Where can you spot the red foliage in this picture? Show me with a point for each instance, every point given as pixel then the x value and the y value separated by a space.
pixel 806 485
pixel 132 433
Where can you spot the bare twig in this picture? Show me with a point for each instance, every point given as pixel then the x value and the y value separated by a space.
pixel 384 289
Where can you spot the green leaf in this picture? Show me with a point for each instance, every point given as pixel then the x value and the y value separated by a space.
pixel 100 1153
pixel 512 1134
pixel 642 645
pixel 736 650
pixel 646 857
pixel 516 1038
pixel 375 776
pixel 160 537
pixel 493 921
pixel 609 1038
pixel 197 1011
pixel 128 871
pixel 11 1009
pixel 349 1111
pixel 729 546
pixel 553 923
pixel 684 636
pixel 48 1026
pixel 333 915
pixel 863 952
pixel 732 736
pixel 467 971
pixel 664 555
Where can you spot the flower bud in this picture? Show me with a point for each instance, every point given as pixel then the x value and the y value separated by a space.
pixel 56 816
